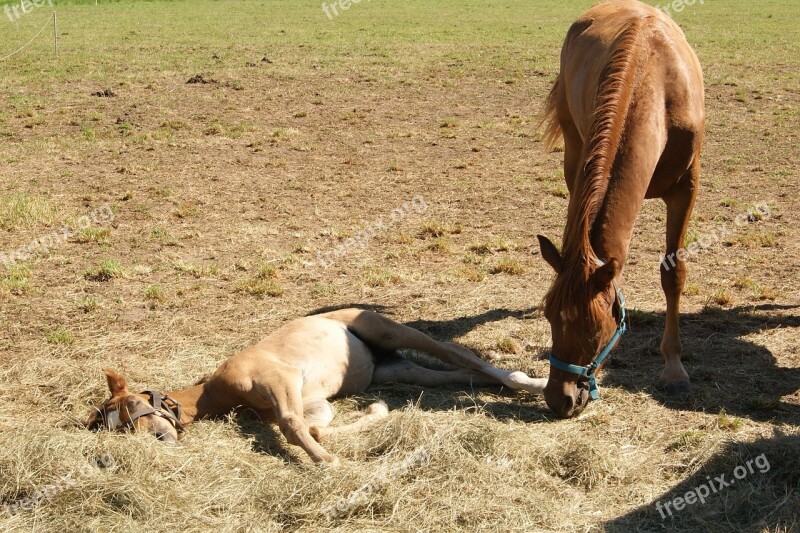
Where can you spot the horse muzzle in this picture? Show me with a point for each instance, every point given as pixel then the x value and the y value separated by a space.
pixel 567 398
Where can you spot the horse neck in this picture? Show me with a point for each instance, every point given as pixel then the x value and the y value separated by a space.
pixel 610 233
pixel 199 401
pixel 610 189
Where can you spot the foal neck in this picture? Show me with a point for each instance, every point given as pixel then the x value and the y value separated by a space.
pixel 201 401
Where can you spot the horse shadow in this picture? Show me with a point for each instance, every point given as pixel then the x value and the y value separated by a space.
pixel 728 371
pixel 752 486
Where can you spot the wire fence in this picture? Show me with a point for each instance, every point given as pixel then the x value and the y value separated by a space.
pixel 24 46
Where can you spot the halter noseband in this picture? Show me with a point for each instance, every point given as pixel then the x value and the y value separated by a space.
pixel 159 407
pixel 588 370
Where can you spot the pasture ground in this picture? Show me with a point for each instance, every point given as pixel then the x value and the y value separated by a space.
pixel 300 132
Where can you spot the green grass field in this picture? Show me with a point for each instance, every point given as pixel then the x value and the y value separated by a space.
pixel 298 131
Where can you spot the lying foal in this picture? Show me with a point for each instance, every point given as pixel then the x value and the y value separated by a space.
pixel 289 376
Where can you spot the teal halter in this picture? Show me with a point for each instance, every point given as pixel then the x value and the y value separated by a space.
pixel 589 369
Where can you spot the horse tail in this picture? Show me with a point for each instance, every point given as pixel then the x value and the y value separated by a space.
pixel 549 116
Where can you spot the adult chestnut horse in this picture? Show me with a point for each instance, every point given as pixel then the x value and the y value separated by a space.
pixel 628 102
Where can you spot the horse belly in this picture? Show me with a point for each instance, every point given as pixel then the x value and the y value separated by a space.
pixel 344 365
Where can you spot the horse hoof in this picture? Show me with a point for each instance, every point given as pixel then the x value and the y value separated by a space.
pixel 679 388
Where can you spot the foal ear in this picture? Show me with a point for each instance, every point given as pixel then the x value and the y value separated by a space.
pixel 116 383
pixel 550 253
pixel 605 274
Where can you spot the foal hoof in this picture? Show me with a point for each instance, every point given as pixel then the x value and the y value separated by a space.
pixel 331 462
pixel 679 388
pixel 378 409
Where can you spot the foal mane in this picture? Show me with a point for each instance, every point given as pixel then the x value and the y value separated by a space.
pixel 612 102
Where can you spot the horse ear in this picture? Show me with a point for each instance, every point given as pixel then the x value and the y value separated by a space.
pixel 95 420
pixel 550 253
pixel 604 275
pixel 116 383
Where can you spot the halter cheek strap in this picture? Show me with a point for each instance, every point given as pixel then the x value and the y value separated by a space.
pixel 588 370
pixel 160 407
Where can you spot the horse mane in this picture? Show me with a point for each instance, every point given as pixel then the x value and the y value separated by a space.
pixel 202 380
pixel 607 127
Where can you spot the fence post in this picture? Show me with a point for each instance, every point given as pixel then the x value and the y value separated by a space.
pixel 55 33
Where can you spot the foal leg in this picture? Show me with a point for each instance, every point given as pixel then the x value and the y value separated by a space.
pixel 319 413
pixel 679 202
pixel 398 369
pixel 389 369
pixel 386 334
pixel 281 390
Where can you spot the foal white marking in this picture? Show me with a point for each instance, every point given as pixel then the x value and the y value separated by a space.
pixel 517 380
pixel 113 421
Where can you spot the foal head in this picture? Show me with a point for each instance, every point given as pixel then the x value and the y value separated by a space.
pixel 580 307
pixel 134 412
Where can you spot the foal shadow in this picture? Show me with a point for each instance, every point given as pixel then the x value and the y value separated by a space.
pixel 752 486
pixel 505 404
pixel 265 435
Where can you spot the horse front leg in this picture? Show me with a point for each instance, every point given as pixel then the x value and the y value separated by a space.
pixel 674 379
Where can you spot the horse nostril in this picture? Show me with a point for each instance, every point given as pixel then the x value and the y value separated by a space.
pixel 567 406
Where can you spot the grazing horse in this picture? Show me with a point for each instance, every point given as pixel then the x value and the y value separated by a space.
pixel 289 376
pixel 629 104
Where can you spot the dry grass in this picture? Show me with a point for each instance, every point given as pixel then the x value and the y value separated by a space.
pixel 20 210
pixel 223 194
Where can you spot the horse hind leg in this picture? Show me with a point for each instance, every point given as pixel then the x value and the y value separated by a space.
pixel 674 378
